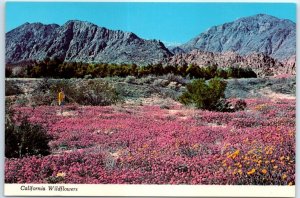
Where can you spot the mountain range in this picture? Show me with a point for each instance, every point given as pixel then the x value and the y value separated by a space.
pixel 81 41
pixel 262 42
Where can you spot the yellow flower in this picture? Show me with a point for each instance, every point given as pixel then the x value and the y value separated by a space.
pixel 251 172
pixel 264 171
pixel 291 183
pixel 235 154
pixel 60 174
pixel 240 171
pixel 284 176
pixel 282 158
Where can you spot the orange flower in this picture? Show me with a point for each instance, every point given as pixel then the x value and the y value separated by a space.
pixel 284 176
pixel 60 174
pixel 264 171
pixel 282 158
pixel 291 183
pixel 240 171
pixel 251 171
pixel 259 161
pixel 275 167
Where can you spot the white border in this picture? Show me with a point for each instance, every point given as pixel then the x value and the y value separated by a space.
pixel 155 190
pixel 147 190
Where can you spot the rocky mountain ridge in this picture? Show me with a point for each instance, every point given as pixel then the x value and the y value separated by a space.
pixel 81 41
pixel 255 34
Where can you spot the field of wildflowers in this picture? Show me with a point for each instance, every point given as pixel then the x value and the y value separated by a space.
pixel 153 145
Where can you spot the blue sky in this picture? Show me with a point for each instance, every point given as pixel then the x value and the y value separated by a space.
pixel 169 22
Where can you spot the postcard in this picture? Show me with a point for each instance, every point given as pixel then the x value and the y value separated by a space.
pixel 150 99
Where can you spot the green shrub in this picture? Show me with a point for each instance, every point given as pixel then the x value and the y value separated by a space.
pixel 204 95
pixel 12 89
pixel 24 138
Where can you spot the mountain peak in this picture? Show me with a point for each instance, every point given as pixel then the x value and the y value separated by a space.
pixel 258 33
pixel 266 16
pixel 78 22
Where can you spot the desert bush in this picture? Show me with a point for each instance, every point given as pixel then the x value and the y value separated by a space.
pixel 238 72
pixel 12 89
pixel 42 93
pixel 161 82
pixel 240 105
pixel 204 95
pixel 223 105
pixel 24 138
pixel 175 78
pixel 130 79
pixel 164 106
pixel 88 76
pixel 43 86
pixel 84 92
pixel 22 100
pixel 96 93
pixel 125 90
pixel 146 80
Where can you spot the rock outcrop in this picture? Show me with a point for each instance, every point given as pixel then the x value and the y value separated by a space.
pixel 260 63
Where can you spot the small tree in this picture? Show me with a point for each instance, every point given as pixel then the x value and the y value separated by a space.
pixel 204 95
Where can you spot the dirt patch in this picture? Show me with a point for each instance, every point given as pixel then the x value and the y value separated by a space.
pixel 268 93
pixel 66 113
pixel 181 114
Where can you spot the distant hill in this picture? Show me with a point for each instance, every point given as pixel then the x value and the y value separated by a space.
pixel 255 34
pixel 81 41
